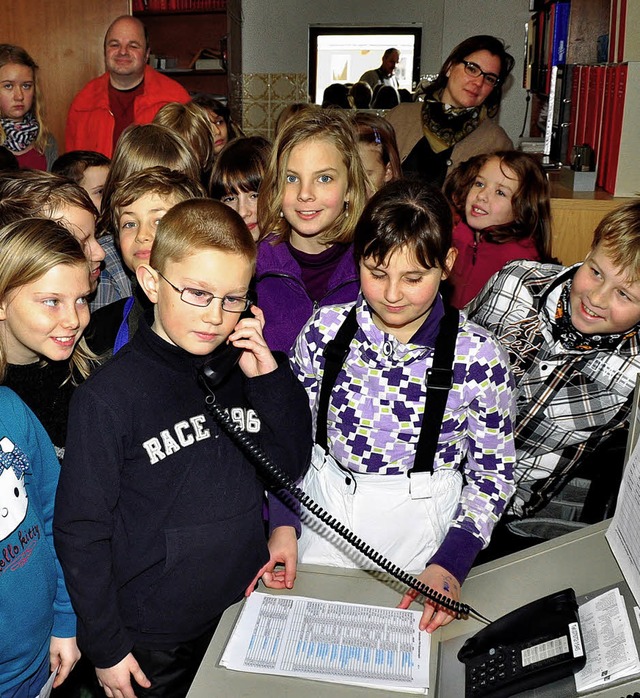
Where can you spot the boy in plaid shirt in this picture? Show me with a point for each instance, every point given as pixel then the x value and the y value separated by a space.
pixel 573 338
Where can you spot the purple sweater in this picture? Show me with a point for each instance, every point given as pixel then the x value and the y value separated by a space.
pixel 282 295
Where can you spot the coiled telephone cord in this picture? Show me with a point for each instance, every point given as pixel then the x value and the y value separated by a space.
pixel 281 480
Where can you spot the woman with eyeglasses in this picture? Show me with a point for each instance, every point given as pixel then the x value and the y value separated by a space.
pixel 456 119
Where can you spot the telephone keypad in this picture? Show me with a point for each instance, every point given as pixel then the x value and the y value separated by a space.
pixel 501 665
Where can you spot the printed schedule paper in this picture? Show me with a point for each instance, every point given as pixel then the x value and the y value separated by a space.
pixel 623 534
pixel 608 638
pixel 345 643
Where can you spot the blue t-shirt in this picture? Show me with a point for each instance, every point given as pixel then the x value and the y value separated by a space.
pixel 35 604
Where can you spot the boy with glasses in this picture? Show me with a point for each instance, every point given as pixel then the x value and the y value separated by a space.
pixel 159 515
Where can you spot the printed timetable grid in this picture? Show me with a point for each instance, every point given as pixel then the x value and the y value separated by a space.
pixel 339 642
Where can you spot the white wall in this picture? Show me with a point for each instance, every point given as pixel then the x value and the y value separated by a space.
pixel 276 40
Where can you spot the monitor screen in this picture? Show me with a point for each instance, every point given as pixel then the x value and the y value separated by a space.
pixel 343 54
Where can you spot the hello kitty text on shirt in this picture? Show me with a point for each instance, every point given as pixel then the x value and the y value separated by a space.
pixel 17 543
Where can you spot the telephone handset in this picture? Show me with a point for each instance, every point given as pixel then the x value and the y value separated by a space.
pixel 211 375
pixel 529 647
pixel 220 364
pixel 224 359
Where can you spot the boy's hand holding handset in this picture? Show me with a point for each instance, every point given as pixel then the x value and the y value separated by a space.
pixel 256 359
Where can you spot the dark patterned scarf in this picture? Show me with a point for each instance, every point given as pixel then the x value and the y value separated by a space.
pixel 444 126
pixel 20 134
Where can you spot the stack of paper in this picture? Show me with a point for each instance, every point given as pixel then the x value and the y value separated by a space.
pixel 608 638
pixel 346 643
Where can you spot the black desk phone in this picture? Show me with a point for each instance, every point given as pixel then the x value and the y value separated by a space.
pixel 529 647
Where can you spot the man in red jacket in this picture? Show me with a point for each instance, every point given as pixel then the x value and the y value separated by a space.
pixel 129 92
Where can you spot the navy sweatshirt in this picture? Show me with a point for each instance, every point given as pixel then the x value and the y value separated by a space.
pixel 158 521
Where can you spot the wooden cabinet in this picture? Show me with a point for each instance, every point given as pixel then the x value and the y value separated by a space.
pixel 574 217
pixel 179 35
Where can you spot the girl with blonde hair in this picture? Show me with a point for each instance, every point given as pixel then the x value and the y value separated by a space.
pixel 22 127
pixel 44 286
pixel 311 197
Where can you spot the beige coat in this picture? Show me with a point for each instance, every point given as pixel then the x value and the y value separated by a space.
pixel 406 119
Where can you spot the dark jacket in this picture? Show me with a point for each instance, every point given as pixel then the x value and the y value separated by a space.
pixel 109 322
pixel 158 519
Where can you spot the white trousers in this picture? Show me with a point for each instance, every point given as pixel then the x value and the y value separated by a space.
pixel 403 518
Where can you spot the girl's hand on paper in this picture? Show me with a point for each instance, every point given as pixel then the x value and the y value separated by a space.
pixel 442 581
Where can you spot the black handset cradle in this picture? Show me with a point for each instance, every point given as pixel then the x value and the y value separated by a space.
pixel 211 377
pixel 529 647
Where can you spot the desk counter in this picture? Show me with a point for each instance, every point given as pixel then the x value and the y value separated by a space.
pixel 581 560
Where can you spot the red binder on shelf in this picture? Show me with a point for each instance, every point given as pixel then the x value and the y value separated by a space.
pixel 595 95
pixel 583 103
pixel 539 69
pixel 613 31
pixel 602 155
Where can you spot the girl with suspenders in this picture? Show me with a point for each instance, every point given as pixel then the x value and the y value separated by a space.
pixel 413 405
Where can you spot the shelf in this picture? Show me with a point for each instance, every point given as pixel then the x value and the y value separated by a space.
pixel 166 13
pixel 180 35
pixel 558 191
pixel 182 72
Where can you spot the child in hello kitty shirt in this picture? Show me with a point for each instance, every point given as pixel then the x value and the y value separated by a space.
pixel 37 621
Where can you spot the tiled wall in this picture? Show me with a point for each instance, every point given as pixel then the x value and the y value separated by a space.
pixel 258 99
